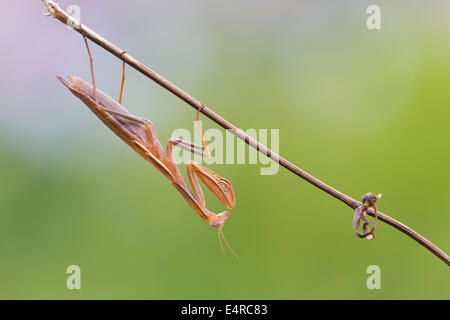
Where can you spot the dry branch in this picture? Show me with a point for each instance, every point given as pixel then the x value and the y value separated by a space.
pixel 58 13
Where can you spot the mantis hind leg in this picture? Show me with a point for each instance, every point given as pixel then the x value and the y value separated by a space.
pixel 91 62
pixel 123 80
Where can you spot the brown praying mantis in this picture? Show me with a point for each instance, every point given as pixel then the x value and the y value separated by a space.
pixel 140 135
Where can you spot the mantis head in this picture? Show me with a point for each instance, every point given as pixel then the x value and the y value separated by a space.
pixel 218 221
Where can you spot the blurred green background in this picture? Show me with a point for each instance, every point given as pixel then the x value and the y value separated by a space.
pixel 361 110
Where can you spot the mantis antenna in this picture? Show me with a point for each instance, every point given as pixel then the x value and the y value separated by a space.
pixel 226 242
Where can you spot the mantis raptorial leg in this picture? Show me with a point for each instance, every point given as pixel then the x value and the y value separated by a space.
pixel 140 134
pixel 220 187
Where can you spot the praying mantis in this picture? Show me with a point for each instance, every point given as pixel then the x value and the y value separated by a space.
pixel 140 135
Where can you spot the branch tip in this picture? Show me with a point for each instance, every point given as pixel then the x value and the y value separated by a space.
pixel 50 6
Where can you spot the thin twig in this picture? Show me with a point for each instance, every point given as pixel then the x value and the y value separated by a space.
pixel 62 16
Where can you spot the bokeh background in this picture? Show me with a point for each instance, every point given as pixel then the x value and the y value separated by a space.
pixel 362 110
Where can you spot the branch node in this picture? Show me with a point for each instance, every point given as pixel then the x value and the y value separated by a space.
pixel 369 200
